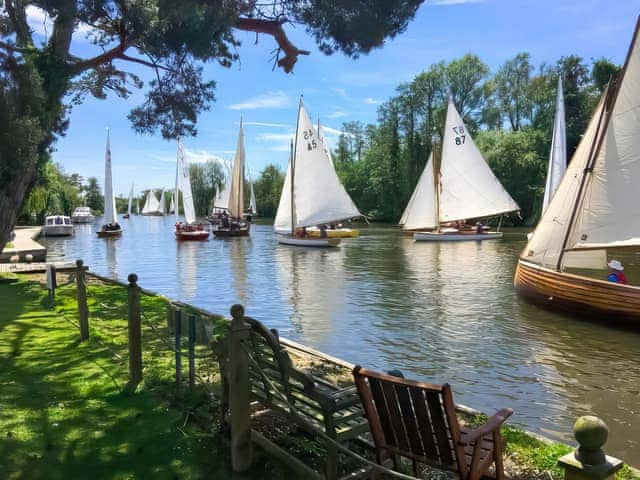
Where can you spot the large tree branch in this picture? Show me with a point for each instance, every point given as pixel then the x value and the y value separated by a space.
pixel 19 21
pixel 274 28
pixel 63 28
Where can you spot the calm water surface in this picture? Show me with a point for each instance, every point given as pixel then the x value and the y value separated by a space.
pixel 438 312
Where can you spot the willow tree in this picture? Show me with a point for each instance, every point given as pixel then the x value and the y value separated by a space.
pixel 40 79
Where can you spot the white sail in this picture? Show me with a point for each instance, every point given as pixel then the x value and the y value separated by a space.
pixel 184 183
pixel 151 204
pixel 282 222
pixel 558 153
pixel 172 205
pixel 325 143
pixel 609 215
pixel 109 198
pixel 236 187
pixel 319 197
pixel 138 206
pixel 163 203
pixel 222 197
pixel 421 209
pixel 129 205
pixel 545 244
pixel 469 189
pixel 253 207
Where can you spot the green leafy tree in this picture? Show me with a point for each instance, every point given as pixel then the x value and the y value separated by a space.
pixel 465 76
pixel 602 70
pixel 93 196
pixel 41 80
pixel 206 180
pixel 512 82
pixel 268 188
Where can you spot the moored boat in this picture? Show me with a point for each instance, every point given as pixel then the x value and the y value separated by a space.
pixel 340 232
pixel 593 213
pixel 57 226
pixel 307 241
pixel 82 215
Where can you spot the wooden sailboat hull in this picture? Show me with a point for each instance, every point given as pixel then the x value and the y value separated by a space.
pixel 455 237
pixel 189 232
pixel 229 233
pixel 308 242
pixel 334 233
pixel 109 233
pixel 579 295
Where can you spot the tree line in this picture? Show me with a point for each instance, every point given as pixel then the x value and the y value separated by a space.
pixel 509 113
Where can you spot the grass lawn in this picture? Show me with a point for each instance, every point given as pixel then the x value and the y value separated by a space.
pixel 64 413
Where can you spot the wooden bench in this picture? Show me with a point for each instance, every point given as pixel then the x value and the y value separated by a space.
pixel 418 421
pixel 302 398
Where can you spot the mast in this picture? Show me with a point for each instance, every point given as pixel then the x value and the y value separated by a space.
pixel 610 100
pixel 436 177
pixel 175 190
pixel 240 179
pixel 293 172
pixel 293 231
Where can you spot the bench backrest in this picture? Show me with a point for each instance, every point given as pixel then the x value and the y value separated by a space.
pixel 411 419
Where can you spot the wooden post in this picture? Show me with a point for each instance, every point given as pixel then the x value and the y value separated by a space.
pixel 135 331
pixel 241 448
pixel 51 283
pixel 83 309
pixel 192 350
pixel 178 338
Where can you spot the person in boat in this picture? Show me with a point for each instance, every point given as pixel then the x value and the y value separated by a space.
pixel 301 232
pixel 616 273
pixel 323 231
pixel 225 220
pixel 479 227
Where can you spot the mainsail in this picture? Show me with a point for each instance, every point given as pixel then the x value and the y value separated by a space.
pixel 151 204
pixel 130 200
pixel 253 207
pixel 318 195
pixel 109 198
pixel 558 153
pixel 163 203
pixel 184 185
pixel 467 186
pixel 235 203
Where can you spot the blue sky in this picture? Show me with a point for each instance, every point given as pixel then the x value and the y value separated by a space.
pixel 335 88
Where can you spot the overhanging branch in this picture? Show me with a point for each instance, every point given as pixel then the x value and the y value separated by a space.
pixel 274 28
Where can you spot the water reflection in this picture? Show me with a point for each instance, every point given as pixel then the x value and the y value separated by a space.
pixel 439 312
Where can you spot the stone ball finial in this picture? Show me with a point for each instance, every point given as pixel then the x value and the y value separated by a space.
pixel 133 278
pixel 591 433
pixel 79 262
pixel 237 311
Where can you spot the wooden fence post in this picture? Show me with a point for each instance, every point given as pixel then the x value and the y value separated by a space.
pixel 241 448
pixel 83 309
pixel 178 345
pixel 192 350
pixel 135 332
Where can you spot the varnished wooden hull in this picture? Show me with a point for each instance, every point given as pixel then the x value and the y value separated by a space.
pixel 109 233
pixel 587 297
pixel 334 233
pixel 308 242
pixel 226 232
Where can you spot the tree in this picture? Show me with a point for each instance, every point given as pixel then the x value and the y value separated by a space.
pixel 512 90
pixel 40 81
pixel 602 70
pixel 93 196
pixel 268 188
pixel 464 76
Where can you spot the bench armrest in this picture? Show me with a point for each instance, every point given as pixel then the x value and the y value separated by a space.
pixel 489 426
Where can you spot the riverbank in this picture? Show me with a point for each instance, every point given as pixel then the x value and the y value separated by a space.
pixel 80 417
pixel 24 247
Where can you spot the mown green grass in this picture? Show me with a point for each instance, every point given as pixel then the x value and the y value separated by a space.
pixel 64 410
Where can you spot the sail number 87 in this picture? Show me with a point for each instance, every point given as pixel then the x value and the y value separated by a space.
pixel 460 134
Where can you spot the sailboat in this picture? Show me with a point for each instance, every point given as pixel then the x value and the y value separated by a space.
pixel 129 204
pixel 137 206
pixel 558 153
pixel 162 203
pixel 172 205
pixel 110 228
pixel 253 207
pixel 151 205
pixel 189 230
pixel 232 224
pixel 312 193
pixel 456 187
pixel 594 209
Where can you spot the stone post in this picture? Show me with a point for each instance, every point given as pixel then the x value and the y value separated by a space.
pixel 135 331
pixel 241 448
pixel 588 461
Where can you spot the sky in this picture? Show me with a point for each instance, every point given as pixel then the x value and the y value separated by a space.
pixel 336 89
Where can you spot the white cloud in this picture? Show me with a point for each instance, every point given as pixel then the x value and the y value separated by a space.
pixel 265 124
pixel 372 101
pixel 275 137
pixel 202 156
pixel 277 99
pixel 340 91
pixel 454 2
pixel 331 131
pixel 39 21
pixel 337 114
pixel 281 148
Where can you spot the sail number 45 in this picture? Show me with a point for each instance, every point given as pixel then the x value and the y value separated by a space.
pixel 311 142
pixel 460 134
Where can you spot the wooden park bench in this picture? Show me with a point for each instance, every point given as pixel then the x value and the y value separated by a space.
pixel 418 421
pixel 277 385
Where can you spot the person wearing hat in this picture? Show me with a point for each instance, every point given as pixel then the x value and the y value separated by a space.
pixel 616 275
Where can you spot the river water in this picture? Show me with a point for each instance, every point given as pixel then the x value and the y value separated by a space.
pixel 438 312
